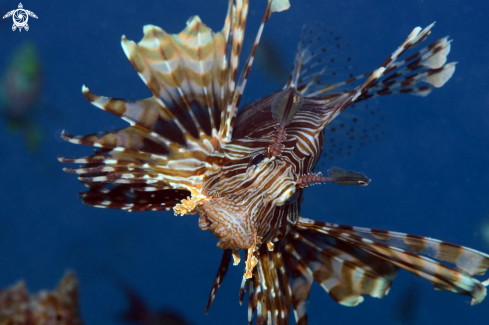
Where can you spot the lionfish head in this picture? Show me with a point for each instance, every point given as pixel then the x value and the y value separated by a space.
pixel 242 189
pixel 237 205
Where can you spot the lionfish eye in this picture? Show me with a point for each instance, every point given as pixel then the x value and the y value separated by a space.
pixel 256 159
pixel 292 198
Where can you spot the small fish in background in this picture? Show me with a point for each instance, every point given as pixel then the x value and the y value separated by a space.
pixel 57 307
pixel 138 311
pixel 20 91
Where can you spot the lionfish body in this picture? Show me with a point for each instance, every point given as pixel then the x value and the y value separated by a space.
pixel 189 149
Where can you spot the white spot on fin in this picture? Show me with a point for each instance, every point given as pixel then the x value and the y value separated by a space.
pixel 440 78
pixel 279 5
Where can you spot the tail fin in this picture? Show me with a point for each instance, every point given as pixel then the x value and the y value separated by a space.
pixel 350 262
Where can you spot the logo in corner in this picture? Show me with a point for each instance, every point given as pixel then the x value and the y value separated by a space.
pixel 20 17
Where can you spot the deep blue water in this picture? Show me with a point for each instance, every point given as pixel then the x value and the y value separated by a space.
pixel 429 173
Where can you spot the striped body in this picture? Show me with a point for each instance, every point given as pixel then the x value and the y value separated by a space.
pixel 252 193
pixel 189 148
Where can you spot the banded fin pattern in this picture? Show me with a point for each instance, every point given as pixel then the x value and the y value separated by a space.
pixel 400 76
pixel 236 90
pixel 191 76
pixel 323 106
pixel 428 66
pixel 133 198
pixel 350 262
pixel 433 56
pixel 441 276
pixel 223 268
pixel 185 73
pixel 148 151
pixel 465 259
pixel 344 271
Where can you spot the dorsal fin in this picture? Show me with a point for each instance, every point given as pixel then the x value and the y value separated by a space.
pixel 236 93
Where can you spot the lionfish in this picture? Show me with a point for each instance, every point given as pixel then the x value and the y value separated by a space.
pixel 189 149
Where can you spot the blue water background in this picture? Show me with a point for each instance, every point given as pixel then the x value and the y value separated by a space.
pixel 429 174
